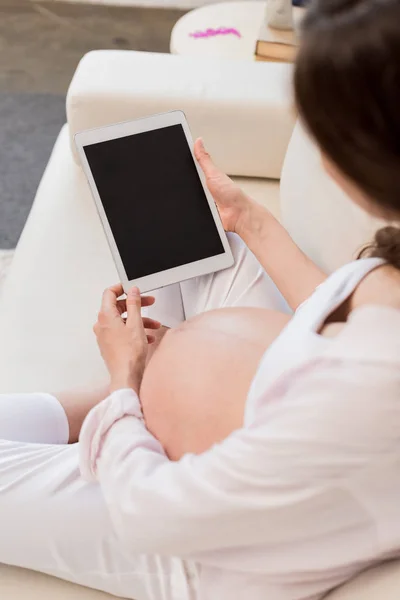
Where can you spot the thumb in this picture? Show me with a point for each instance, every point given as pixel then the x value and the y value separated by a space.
pixel 133 307
pixel 205 160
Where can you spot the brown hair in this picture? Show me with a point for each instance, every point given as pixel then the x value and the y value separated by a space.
pixel 347 87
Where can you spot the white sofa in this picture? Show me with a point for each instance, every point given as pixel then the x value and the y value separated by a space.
pixel 62 263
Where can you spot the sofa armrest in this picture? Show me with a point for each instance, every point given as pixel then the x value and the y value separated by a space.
pixel 243 110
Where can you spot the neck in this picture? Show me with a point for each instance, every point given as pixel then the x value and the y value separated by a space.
pixel 381 286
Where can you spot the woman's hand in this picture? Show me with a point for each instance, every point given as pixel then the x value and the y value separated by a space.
pixel 233 204
pixel 295 275
pixel 124 343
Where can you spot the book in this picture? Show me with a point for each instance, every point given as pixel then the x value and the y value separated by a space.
pixel 269 59
pixel 279 45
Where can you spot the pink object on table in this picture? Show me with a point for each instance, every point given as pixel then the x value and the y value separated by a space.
pixel 210 32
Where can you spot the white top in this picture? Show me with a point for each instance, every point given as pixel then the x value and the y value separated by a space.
pixel 300 341
pixel 305 495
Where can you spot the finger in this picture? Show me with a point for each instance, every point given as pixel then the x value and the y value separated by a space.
pixel 150 323
pixel 205 160
pixel 121 305
pixel 148 300
pixel 117 289
pixel 133 306
pixel 109 302
pixel 150 339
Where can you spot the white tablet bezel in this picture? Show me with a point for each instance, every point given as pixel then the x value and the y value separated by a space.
pixel 176 274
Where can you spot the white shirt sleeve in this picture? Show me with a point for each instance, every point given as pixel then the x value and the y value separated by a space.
pixel 287 477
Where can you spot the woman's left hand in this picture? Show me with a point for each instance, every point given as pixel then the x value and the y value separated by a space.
pixel 124 343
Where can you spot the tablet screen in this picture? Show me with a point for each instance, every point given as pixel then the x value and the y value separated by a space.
pixel 154 200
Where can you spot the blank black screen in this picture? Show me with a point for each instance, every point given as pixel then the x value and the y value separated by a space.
pixel 154 200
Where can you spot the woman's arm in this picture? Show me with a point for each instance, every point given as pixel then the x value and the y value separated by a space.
pixel 287 481
pixel 295 275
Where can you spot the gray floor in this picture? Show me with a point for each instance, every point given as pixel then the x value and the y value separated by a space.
pixel 40 46
pixel 29 124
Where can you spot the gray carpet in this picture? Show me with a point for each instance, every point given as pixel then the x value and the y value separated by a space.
pixel 41 43
pixel 29 124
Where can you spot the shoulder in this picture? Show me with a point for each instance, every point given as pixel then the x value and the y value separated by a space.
pixel 371 334
pixel 358 367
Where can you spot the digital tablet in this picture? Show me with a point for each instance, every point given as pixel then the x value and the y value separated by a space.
pixel 160 220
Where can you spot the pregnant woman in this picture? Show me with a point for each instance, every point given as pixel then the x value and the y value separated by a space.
pixel 252 451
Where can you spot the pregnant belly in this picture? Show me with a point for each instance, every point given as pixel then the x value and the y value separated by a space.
pixel 195 386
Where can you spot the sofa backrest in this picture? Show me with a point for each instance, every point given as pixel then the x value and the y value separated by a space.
pixel 318 215
pixel 379 583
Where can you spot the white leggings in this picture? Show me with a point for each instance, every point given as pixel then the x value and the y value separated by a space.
pixel 54 522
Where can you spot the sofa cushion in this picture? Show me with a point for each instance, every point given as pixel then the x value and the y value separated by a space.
pixel 380 583
pixel 21 584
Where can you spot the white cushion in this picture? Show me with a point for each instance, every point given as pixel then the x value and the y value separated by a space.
pixel 319 216
pixel 380 583
pixel 242 110
pixel 52 294
pixel 246 17
pixel 21 584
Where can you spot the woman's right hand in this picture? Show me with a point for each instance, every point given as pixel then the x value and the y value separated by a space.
pixel 233 204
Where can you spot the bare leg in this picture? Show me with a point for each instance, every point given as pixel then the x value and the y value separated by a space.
pixel 77 404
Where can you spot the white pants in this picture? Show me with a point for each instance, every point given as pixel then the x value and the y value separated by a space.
pixel 53 521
